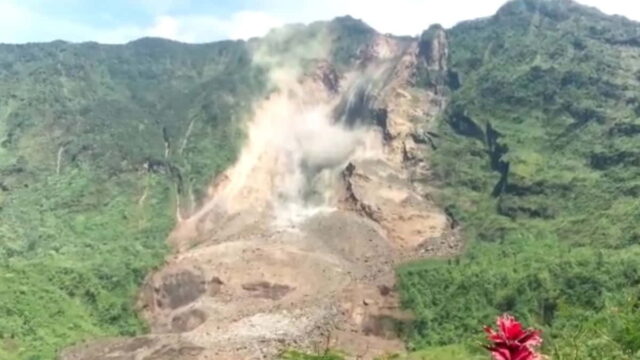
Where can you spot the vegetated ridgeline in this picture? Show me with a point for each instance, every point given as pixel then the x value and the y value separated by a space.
pixel 297 241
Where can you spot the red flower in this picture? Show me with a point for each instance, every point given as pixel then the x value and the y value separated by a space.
pixel 511 342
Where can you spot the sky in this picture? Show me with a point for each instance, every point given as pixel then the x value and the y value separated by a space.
pixel 197 21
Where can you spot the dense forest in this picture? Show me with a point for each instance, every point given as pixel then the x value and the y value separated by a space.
pixel 96 144
pixel 537 157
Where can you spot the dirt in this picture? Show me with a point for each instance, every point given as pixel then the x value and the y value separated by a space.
pixel 250 277
pixel 179 289
pixel 188 320
pixel 377 190
pixel 267 290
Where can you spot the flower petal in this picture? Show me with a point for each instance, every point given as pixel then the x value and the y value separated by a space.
pixel 510 327
pixel 530 338
pixel 500 353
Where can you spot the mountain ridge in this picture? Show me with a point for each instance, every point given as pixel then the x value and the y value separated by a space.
pixel 102 145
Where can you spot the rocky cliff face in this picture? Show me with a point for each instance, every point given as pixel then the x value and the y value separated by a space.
pixel 297 242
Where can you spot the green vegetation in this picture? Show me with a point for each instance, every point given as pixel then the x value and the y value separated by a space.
pixel 96 144
pixel 537 158
pixel 54 287
pixel 295 46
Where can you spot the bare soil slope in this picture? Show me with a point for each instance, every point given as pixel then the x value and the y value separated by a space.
pixel 297 244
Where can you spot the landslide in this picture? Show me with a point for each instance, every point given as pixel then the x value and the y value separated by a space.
pixel 296 244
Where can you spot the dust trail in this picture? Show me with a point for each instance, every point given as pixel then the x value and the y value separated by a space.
pixel 299 140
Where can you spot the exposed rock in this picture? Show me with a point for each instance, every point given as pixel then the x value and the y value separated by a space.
pixel 243 284
pixel 376 189
pixel 465 126
pixel 380 326
pixel 188 320
pixel 434 48
pixel 179 289
pixel 215 286
pixel 384 290
pixel 325 73
pixel 382 47
pixel 267 290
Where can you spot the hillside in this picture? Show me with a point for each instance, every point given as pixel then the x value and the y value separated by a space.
pixel 295 245
pixel 102 148
pixel 96 141
pixel 516 135
pixel 536 155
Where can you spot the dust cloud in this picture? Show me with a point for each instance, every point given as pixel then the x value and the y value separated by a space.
pixel 297 143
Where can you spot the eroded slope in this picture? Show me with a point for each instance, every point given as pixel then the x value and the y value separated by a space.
pixel 297 242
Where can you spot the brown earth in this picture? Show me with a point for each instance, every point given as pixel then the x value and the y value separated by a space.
pixel 243 285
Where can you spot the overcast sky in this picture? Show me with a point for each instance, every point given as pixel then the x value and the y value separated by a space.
pixel 119 21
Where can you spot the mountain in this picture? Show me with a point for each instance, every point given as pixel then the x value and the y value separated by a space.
pixel 514 134
pixel 295 244
pixel 96 140
pixel 536 158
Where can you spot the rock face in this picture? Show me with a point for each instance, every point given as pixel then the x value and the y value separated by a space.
pixel 434 48
pixel 296 246
pixel 380 192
